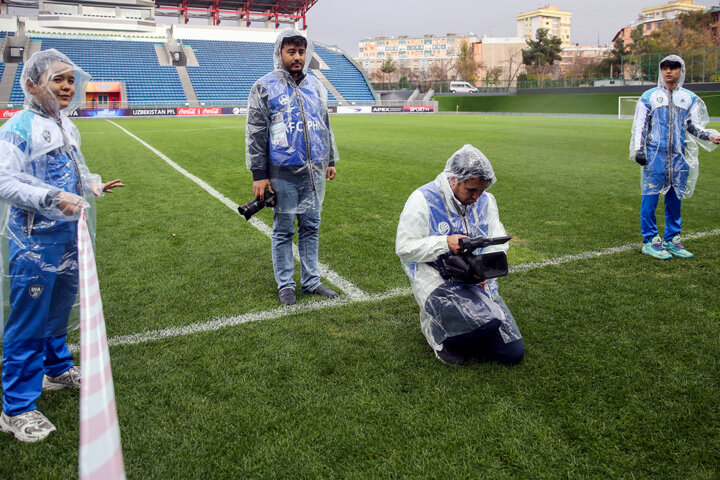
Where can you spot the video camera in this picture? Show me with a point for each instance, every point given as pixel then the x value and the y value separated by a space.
pixel 255 205
pixel 467 268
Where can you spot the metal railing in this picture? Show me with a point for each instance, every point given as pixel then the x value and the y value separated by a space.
pixel 701 65
pixel 443 87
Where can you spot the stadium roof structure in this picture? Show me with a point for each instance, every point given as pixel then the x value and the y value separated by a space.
pixel 277 11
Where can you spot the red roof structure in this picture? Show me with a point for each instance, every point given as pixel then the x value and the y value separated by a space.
pixel 277 11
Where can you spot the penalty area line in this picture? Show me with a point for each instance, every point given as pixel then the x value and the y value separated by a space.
pixel 229 321
pixel 342 283
pixel 224 322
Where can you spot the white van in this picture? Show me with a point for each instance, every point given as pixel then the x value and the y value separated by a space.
pixel 462 87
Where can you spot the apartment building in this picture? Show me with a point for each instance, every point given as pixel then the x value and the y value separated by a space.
pixel 499 60
pixel 414 57
pixel 551 18
pixel 652 18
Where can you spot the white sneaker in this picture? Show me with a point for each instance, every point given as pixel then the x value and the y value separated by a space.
pixel 30 426
pixel 68 379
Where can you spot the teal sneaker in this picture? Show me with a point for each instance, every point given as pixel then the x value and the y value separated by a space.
pixel 655 249
pixel 675 247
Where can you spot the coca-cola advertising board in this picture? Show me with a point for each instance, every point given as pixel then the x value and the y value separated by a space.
pixel 5 114
pixel 184 111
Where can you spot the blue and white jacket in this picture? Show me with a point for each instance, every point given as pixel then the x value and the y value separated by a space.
pixel 287 125
pixel 430 215
pixel 668 126
pixel 39 158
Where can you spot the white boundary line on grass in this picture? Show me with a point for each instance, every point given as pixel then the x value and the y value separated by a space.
pixel 224 322
pixel 596 253
pixel 345 285
pixel 173 131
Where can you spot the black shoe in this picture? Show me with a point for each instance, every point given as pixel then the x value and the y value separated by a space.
pixel 323 291
pixel 451 356
pixel 287 296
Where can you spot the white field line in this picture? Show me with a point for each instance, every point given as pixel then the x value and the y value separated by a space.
pixel 343 284
pixel 224 322
pixel 182 130
pixel 596 253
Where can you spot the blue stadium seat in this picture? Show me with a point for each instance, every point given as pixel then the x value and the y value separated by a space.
pixel 17 96
pixel 345 76
pixel 133 62
pixel 226 72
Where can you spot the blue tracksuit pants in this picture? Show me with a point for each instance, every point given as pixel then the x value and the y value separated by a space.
pixel 648 222
pixel 43 288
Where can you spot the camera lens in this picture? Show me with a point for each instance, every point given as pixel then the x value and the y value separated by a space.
pixel 490 265
pixel 255 205
pixel 251 208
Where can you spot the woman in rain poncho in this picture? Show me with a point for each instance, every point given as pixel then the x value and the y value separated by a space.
pixel 664 116
pixel 458 320
pixel 290 151
pixel 44 186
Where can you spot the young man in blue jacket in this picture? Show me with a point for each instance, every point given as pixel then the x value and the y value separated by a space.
pixel 664 116
pixel 290 151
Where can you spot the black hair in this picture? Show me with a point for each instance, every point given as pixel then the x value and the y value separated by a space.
pixel 296 41
pixel 671 64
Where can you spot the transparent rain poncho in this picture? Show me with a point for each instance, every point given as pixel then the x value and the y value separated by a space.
pixel 288 137
pixel 44 185
pixel 668 127
pixel 431 214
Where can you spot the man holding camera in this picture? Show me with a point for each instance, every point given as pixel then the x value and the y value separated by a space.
pixel 290 150
pixel 664 116
pixel 461 314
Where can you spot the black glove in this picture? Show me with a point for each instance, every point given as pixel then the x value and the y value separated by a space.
pixel 640 157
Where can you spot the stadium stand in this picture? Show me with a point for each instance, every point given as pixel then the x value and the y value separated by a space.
pixel 170 65
pixel 345 76
pixel 225 72
pixel 17 96
pixel 133 62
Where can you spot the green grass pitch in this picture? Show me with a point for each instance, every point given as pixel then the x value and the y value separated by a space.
pixel 620 377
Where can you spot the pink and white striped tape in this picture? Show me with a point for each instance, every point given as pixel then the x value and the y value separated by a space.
pixel 100 450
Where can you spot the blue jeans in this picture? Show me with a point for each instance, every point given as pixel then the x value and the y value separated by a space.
pixel 296 200
pixel 648 222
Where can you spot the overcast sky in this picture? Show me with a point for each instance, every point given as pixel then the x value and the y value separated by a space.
pixel 346 22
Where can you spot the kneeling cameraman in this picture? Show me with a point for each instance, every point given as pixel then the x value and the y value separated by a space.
pixel 461 315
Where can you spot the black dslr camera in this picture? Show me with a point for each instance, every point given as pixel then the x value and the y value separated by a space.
pixel 255 205
pixel 467 268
